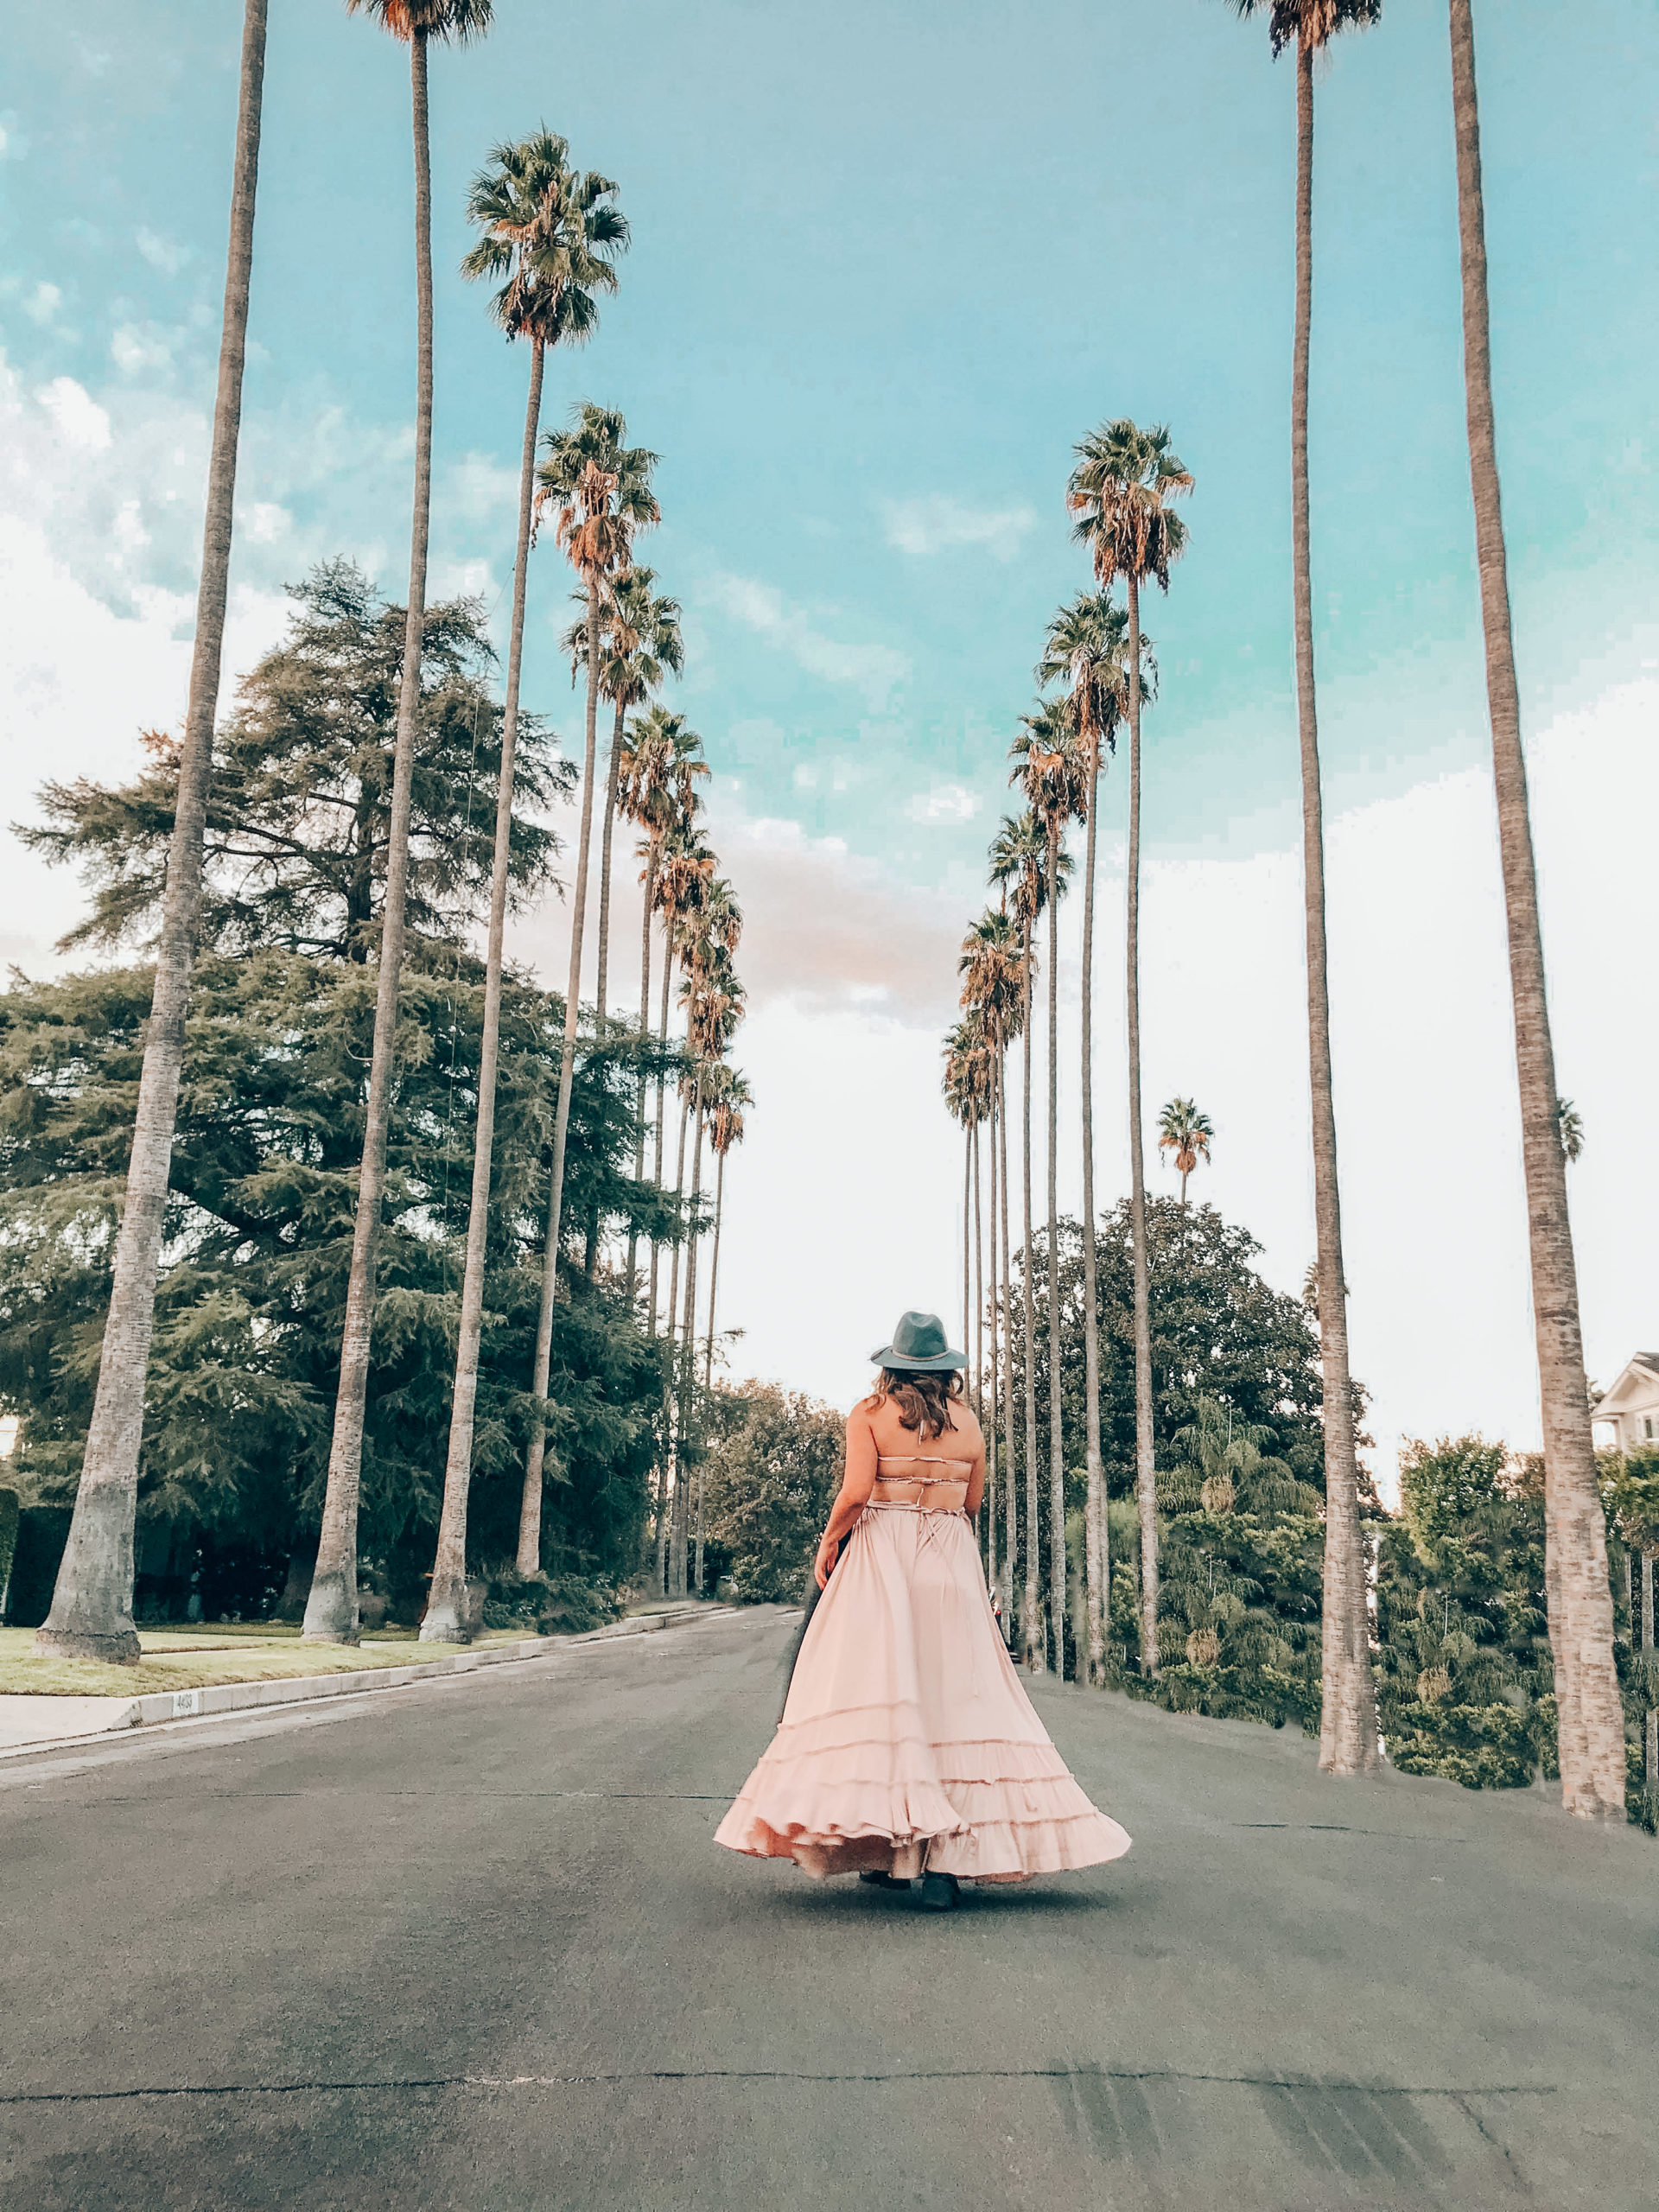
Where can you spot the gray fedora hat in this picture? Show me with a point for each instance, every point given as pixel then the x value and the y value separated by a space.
pixel 919 1343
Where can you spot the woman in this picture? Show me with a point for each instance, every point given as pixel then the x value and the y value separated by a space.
pixel 908 1745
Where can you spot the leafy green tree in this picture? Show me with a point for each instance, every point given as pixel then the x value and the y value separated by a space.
pixel 258 1234
pixel 1464 1672
pixel 91 1610
pixel 295 847
pixel 1121 492
pixel 769 1481
pixel 1239 1594
pixel 1215 1330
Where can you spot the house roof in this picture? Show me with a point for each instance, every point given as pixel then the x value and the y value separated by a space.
pixel 1638 1378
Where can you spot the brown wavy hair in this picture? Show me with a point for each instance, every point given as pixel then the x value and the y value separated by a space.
pixel 923 1399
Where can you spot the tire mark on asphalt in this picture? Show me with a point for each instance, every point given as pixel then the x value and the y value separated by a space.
pixel 1137 2125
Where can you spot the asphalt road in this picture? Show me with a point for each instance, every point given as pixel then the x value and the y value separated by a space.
pixel 469 1945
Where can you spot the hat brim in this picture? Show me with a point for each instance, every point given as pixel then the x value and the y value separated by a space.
pixel 942 1363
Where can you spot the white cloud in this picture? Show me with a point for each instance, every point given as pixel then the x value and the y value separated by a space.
pixel 872 669
pixel 945 803
pixel 14 146
pixel 164 254
pixel 132 348
pixel 267 522
pixel 129 531
pixel 76 414
pixel 937 523
pixel 479 490
pixel 43 304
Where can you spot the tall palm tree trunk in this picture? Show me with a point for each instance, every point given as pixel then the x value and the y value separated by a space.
pixel 530 1513
pixel 974 1347
pixel 1033 1621
pixel 689 1352
pixel 613 777
pixel 1348 1713
pixel 967 1231
pixel 993 1566
pixel 1591 1718
pixel 91 1603
pixel 1650 1718
pixel 713 1274
pixel 331 1609
pixel 661 1041
pixel 644 1033
pixel 1145 1477
pixel 1010 1486
pixel 445 1617
pixel 601 993
pixel 1096 1556
pixel 671 1321
pixel 1057 1561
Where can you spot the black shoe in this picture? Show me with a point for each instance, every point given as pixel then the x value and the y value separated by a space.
pixel 878 1881
pixel 941 1893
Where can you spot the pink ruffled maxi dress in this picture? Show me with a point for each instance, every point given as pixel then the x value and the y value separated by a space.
pixel 908 1745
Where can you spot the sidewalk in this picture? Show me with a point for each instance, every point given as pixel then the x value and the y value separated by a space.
pixel 32 1722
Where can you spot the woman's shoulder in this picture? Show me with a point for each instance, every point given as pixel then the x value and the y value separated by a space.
pixel 964 1423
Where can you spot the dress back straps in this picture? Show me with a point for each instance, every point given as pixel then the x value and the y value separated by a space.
pixel 926 1481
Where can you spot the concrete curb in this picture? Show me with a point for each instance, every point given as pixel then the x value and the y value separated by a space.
pixel 303 1689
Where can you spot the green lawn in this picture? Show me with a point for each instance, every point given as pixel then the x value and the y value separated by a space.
pixel 194 1656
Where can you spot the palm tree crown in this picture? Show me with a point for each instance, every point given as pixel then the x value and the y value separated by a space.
pixel 1019 864
pixel 1186 1133
pixel 641 645
pixel 600 489
pixel 1313 23
pixel 1119 491
pixel 1086 648
pixel 452 22
pixel 551 232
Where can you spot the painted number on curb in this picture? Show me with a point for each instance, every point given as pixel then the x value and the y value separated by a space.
pixel 185 1702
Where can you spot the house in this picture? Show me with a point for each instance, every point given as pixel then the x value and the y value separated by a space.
pixel 1628 1415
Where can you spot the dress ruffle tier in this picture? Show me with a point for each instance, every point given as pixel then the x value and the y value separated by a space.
pixel 908 1745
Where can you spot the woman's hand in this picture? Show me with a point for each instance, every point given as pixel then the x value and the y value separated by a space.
pixel 824 1566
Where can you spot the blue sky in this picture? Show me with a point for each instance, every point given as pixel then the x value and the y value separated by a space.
pixel 888 266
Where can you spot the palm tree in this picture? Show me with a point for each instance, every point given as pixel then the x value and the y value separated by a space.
pixel 685 868
pixel 657 777
pixel 640 647
pixel 1086 650
pixel 1049 771
pixel 1580 1608
pixel 1186 1133
pixel 600 491
pixel 992 969
pixel 331 1609
pixel 1018 861
pixel 1120 492
pixel 730 1096
pixel 91 1603
pixel 714 1009
pixel 549 232
pixel 1348 1722
pixel 1571 1123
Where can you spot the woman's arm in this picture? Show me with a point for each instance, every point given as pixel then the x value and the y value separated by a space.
pixel 977 1479
pixel 856 1484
